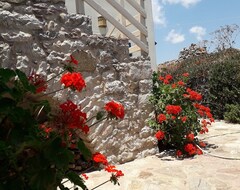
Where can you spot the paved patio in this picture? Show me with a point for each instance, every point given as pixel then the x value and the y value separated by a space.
pixel 203 172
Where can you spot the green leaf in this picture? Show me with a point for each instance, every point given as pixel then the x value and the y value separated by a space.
pixel 57 154
pixel 7 105
pixel 45 103
pixel 100 115
pixel 24 80
pixel 6 74
pixel 43 179
pixel 76 179
pixel 84 150
pixel 3 147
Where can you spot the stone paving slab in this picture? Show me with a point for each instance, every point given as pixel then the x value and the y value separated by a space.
pixel 202 172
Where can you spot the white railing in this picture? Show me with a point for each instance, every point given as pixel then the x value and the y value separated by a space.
pixel 121 26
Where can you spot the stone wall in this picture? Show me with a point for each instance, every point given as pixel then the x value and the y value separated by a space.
pixel 40 35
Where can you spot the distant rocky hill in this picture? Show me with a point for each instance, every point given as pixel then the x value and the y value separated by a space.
pixel 193 50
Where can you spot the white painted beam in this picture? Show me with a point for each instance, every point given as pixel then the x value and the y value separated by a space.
pixel 128 16
pixel 137 7
pixel 123 29
pixel 80 7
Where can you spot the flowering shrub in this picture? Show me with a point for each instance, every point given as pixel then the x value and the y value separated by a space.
pixel 177 115
pixel 37 132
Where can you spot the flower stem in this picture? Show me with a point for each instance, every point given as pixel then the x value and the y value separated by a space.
pixel 97 122
pixel 52 92
pixel 100 184
pixel 90 119
pixel 56 76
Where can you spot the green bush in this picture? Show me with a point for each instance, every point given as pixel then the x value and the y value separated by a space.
pixel 224 85
pixel 177 114
pixel 232 113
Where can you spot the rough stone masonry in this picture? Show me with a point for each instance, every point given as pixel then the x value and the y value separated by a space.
pixel 40 35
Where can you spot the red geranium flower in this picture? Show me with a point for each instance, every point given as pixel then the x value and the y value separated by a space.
pixel 190 137
pixel 73 117
pixel 73 80
pixel 119 173
pixel 194 95
pixel 181 83
pixel 161 118
pixel 165 81
pixel 184 119
pixel 161 78
pixel 199 151
pixel 202 144
pixel 185 74
pixel 174 85
pixel 99 158
pixel 172 109
pixel 159 135
pixel 190 149
pixel 68 106
pixel 85 129
pixel 168 77
pixel 116 109
pixel 179 153
pixel 112 169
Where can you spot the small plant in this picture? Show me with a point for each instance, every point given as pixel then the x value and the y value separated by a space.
pixel 232 113
pixel 37 132
pixel 177 115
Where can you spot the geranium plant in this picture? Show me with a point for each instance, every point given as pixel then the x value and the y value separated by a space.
pixel 37 131
pixel 179 117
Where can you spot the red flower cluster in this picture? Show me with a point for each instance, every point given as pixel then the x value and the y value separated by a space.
pixel 174 85
pixel 73 80
pixel 202 144
pixel 166 79
pixel 116 109
pixel 73 117
pixel 112 169
pixel 100 158
pixel 204 111
pixel 190 137
pixel 185 74
pixel 192 149
pixel 204 129
pixel 193 95
pixel 181 83
pixel 172 109
pixel 159 135
pixel 38 81
pixel 161 118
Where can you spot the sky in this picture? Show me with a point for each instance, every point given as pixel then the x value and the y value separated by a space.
pixel 178 23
